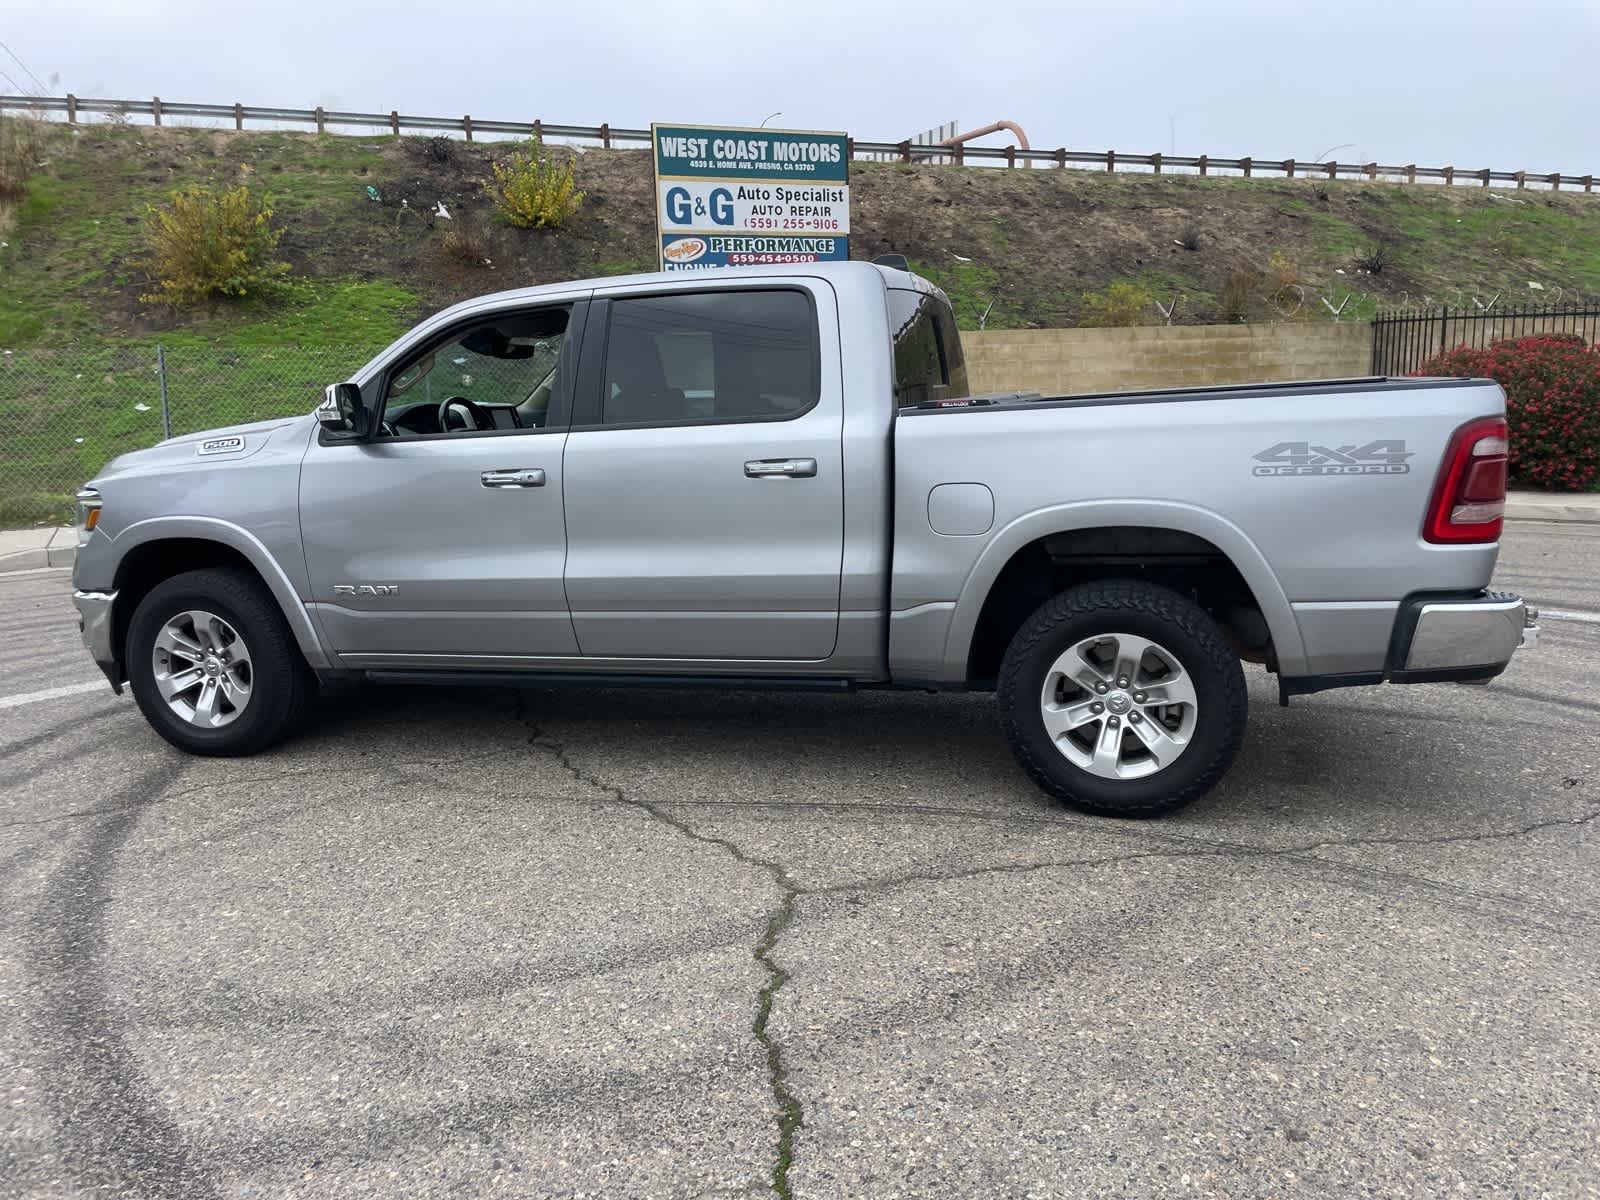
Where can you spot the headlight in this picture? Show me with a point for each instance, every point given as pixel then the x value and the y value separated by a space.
pixel 87 515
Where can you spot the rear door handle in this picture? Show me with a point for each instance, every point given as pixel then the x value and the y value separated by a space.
pixel 519 477
pixel 780 468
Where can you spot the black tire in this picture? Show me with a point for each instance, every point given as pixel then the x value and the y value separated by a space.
pixel 1143 610
pixel 281 685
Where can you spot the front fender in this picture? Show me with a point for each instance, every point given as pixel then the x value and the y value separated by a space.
pixel 1150 514
pixel 213 529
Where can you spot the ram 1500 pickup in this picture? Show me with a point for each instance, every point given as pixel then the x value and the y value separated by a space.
pixel 777 478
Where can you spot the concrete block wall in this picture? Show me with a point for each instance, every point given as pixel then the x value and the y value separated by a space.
pixel 1055 361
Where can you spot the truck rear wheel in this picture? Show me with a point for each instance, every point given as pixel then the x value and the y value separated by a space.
pixel 1123 699
pixel 213 665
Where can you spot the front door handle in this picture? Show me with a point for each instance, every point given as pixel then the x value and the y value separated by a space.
pixel 519 477
pixel 781 468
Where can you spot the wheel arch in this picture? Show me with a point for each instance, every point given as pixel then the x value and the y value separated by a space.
pixel 1018 548
pixel 155 550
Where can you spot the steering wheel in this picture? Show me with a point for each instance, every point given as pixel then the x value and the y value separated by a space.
pixel 476 416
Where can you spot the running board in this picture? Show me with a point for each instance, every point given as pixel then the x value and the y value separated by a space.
pixel 596 679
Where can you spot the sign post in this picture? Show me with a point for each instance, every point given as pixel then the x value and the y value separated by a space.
pixel 728 197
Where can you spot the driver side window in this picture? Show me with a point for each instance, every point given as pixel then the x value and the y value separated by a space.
pixel 499 374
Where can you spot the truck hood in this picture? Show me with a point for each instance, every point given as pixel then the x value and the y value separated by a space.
pixel 211 447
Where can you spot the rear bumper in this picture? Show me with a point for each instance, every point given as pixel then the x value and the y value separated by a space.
pixel 1434 634
pixel 1441 638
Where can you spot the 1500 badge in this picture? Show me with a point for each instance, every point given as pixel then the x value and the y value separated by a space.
pixel 1386 457
pixel 220 445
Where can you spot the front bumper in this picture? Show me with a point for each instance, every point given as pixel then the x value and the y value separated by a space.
pixel 95 623
pixel 1468 638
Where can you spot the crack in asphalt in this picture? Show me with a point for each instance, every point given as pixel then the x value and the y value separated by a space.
pixel 1303 853
pixel 791 1113
pixel 1205 848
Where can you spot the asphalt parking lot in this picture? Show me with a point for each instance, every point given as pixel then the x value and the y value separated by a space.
pixel 600 943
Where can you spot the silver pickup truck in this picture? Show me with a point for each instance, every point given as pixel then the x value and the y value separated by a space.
pixel 777 478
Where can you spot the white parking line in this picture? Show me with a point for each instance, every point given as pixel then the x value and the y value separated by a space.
pixel 1567 614
pixel 58 693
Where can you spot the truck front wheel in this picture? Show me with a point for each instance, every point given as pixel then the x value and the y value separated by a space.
pixel 213 665
pixel 1123 699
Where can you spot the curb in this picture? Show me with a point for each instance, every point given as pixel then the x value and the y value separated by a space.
pixel 1539 506
pixel 53 548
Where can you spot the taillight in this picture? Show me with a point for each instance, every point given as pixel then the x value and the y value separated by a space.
pixel 1469 499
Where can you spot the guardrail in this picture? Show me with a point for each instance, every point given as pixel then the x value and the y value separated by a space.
pixel 72 107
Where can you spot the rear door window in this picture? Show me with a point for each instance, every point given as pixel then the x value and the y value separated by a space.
pixel 928 362
pixel 728 355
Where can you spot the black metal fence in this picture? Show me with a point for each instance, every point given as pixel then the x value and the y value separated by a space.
pixel 1403 340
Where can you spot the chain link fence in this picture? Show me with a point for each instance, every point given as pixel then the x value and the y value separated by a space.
pixel 64 413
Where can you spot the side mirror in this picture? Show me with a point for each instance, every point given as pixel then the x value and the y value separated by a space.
pixel 342 414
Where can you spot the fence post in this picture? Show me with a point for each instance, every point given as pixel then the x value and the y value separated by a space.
pixel 394 122
pixel 155 109
pixel 1011 156
pixel 1522 179
pixel 319 118
pixel 1372 170
pixel 1061 156
pixel 1484 175
pixel 466 126
pixel 905 150
pixel 1155 162
pixel 1588 183
pixel 1288 168
pixel 161 374
pixel 238 116
pixel 1555 182
pixel 849 149
pixel 1333 169
pixel 538 129
pixel 605 134
pixel 72 109
pixel 1411 172
pixel 961 154
pixel 1111 161
pixel 1444 326
pixel 1202 163
pixel 1245 165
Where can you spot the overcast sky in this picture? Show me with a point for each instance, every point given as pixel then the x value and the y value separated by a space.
pixel 1509 84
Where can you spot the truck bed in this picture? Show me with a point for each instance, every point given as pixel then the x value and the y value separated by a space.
pixel 1297 388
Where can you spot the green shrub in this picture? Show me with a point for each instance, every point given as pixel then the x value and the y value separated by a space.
pixel 533 191
pixel 205 243
pixel 1121 303
pixel 1552 383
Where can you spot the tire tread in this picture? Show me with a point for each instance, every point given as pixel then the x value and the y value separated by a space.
pixel 281 679
pixel 1120 596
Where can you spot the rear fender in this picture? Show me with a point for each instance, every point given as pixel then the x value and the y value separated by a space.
pixel 1152 514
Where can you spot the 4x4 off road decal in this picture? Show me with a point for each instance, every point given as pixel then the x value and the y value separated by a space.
pixel 1387 457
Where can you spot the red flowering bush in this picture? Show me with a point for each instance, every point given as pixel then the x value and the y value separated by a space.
pixel 1552 384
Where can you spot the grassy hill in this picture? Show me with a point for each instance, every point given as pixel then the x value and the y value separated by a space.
pixel 1029 243
pixel 1014 248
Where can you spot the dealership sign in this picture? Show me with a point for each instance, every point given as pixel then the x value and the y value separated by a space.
pixel 747 197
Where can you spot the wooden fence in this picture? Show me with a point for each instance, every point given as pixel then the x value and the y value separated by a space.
pixel 73 107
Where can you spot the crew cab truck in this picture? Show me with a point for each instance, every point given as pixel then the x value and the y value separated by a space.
pixel 776 478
